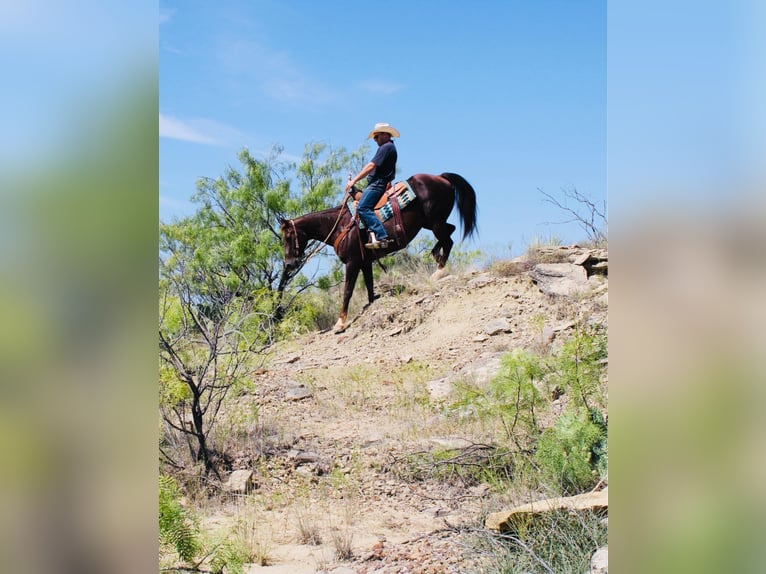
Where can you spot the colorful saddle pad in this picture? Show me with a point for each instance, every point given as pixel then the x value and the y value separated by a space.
pixel 386 212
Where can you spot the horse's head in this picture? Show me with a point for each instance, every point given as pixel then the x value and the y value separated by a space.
pixel 294 244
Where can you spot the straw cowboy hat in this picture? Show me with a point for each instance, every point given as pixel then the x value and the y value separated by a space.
pixel 386 128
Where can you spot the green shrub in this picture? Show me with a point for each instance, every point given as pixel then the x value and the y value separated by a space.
pixel 569 453
pixel 231 555
pixel 515 395
pixel 178 529
pixel 578 366
pixel 558 541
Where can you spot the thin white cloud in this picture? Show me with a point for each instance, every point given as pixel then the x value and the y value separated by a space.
pixel 275 73
pixel 166 14
pixel 380 87
pixel 199 130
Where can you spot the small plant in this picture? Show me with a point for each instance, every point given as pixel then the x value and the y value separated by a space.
pixel 308 528
pixel 243 543
pixel 342 534
pixel 504 268
pixel 558 541
pixel 579 366
pixel 517 398
pixel 568 453
pixel 342 539
pixel 573 452
pixel 230 556
pixel 178 530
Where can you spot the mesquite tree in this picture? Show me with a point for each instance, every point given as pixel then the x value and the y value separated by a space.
pixel 221 282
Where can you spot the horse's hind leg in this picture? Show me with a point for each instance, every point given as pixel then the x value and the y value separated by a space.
pixel 444 243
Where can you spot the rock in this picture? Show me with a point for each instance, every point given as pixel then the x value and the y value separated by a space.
pixel 599 563
pixel 481 371
pixel 590 500
pixel 560 278
pixel 440 388
pixel 497 326
pixel 240 481
pixel 298 392
pixel 302 456
pixel 481 281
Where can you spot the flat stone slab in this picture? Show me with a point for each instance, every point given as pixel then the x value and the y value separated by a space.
pixel 503 520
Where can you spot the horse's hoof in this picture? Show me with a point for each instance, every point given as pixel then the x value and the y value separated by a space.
pixel 339 327
pixel 438 274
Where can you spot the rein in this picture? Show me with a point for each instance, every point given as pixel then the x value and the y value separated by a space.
pixel 324 241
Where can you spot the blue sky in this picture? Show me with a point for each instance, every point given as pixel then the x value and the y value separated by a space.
pixel 511 95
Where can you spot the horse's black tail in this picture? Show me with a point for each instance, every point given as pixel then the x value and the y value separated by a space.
pixel 466 202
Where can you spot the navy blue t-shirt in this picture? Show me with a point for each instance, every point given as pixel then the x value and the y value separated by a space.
pixel 385 163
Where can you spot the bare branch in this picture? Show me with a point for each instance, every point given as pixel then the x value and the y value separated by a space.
pixel 591 220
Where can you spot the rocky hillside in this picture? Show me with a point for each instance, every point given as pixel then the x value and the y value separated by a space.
pixel 336 468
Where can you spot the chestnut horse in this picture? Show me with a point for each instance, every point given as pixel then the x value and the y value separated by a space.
pixel 435 197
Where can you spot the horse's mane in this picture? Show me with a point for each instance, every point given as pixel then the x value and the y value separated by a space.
pixel 329 210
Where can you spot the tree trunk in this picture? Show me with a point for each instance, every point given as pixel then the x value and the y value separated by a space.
pixel 202 453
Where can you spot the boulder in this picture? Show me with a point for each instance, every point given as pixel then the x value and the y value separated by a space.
pixel 240 481
pixel 599 563
pixel 497 326
pixel 560 279
pixel 298 392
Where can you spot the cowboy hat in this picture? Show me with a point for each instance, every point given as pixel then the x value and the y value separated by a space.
pixel 384 128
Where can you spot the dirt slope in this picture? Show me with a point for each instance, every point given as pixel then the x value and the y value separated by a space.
pixel 339 416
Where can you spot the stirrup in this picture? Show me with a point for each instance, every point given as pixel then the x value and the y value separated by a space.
pixel 375 244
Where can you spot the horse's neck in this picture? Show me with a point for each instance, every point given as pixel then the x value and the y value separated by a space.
pixel 321 225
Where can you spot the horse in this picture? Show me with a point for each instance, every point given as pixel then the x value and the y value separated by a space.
pixel 435 197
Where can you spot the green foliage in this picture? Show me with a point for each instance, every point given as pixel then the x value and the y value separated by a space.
pixel 515 389
pixel 568 452
pixel 513 397
pixel 573 452
pixel 558 541
pixel 579 366
pixel 221 281
pixel 230 555
pixel 172 390
pixel 178 529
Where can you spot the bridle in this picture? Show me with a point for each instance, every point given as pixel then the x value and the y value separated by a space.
pixel 322 243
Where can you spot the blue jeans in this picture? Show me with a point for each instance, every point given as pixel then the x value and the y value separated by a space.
pixel 366 208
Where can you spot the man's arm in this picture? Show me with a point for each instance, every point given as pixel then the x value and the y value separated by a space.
pixel 366 170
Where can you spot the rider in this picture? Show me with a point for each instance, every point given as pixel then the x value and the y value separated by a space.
pixel 381 171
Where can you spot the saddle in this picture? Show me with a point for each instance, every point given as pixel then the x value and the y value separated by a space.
pixel 390 204
pixel 391 191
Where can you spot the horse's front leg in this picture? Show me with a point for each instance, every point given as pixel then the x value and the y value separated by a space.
pixel 352 272
pixel 368 281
